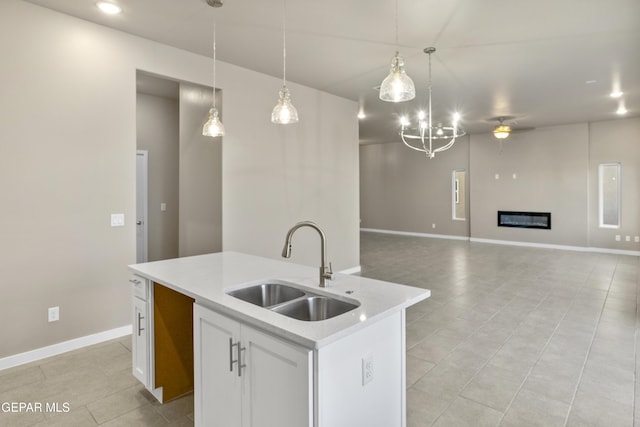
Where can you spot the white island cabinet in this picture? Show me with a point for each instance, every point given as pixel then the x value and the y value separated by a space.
pixel 251 366
pixel 140 345
pixel 244 377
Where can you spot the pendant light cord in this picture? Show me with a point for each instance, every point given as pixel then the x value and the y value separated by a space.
pixel 284 42
pixel 397 45
pixel 214 61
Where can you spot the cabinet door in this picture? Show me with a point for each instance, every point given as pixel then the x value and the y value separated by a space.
pixel 140 341
pixel 217 385
pixel 277 382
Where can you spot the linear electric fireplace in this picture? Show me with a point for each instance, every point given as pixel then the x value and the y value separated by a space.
pixel 524 219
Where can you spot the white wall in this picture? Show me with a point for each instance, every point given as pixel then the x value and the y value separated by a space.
pixel 157 132
pixel 551 169
pixel 200 222
pixel 402 190
pixel 67 161
pixel 556 171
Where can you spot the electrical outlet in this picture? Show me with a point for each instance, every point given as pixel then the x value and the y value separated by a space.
pixel 163 206
pixel 54 314
pixel 433 225
pixel 617 237
pixel 367 369
pixel 627 238
pixel 636 239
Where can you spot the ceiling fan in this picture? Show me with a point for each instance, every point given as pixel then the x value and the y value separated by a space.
pixel 505 127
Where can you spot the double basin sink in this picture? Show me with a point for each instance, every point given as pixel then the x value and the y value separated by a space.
pixel 293 302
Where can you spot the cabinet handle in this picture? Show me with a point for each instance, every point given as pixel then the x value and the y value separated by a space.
pixel 239 354
pixel 135 281
pixel 140 328
pixel 231 361
pixel 240 359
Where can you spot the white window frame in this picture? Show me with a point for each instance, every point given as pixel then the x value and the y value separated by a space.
pixel 601 168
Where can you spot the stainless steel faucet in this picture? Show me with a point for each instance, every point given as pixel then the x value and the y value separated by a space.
pixel 325 271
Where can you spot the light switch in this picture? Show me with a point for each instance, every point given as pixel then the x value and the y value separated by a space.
pixel 497 176
pixel 117 220
pixel 163 206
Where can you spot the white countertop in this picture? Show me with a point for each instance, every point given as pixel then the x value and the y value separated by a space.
pixel 207 278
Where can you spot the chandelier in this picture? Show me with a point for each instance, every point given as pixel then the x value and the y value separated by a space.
pixel 427 137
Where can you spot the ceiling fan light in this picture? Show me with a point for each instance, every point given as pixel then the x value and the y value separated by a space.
pixel 397 86
pixel 502 131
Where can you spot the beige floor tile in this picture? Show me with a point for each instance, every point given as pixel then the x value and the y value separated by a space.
pixel 494 387
pixel 119 403
pixel 532 409
pixel 595 411
pixel 464 412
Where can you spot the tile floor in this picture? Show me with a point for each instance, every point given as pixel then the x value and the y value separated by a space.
pixel 511 336
pixel 515 336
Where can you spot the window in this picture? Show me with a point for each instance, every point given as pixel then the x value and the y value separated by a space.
pixel 609 195
pixel 459 196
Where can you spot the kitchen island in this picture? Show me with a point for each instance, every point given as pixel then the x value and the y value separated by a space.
pixel 253 366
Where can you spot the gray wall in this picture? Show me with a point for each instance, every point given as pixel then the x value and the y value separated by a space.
pixel 402 190
pixel 551 176
pixel 612 142
pixel 157 132
pixel 556 171
pixel 67 161
pixel 200 223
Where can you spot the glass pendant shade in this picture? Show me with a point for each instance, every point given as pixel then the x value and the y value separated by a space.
pixel 397 86
pixel 213 126
pixel 284 112
pixel 502 131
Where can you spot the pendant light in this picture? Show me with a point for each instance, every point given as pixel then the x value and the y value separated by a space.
pixel 284 112
pixel 214 127
pixel 397 86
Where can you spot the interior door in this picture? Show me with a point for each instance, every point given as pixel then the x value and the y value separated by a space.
pixel 141 205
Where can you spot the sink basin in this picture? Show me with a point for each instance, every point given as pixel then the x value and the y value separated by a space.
pixel 267 294
pixel 314 308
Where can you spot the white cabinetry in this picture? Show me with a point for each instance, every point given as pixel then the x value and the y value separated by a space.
pixel 142 334
pixel 140 347
pixel 244 377
pixel 140 341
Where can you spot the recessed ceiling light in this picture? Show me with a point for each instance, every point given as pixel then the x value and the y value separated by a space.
pixel 590 82
pixel 616 94
pixel 109 8
pixel 362 115
pixel 621 110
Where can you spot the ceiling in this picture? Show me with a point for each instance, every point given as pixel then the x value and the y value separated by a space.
pixel 543 62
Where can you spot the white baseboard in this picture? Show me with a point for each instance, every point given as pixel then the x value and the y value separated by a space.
pixel 63 347
pixel 508 242
pixel 559 247
pixel 410 233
